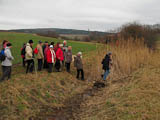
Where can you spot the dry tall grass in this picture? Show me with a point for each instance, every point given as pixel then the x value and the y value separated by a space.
pixel 128 56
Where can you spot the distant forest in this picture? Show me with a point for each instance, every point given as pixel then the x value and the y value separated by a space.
pixel 56 30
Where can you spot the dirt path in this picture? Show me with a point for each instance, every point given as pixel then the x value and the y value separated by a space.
pixel 72 105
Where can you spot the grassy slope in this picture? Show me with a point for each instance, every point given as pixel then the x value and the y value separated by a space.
pixel 17 39
pixel 27 96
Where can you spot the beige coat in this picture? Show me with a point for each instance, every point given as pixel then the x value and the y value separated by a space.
pixel 29 52
pixel 40 52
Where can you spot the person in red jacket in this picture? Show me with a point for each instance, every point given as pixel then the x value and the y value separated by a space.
pixel 59 57
pixel 56 47
pixel 50 58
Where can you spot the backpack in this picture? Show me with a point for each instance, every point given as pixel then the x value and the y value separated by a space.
pixel 35 51
pixel 23 51
pixel 2 55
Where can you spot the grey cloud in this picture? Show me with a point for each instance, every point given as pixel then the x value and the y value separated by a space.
pixel 78 14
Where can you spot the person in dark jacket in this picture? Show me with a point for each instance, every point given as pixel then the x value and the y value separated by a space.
pixel 68 58
pixel 7 63
pixel 79 65
pixel 45 49
pixel 107 63
pixel 23 55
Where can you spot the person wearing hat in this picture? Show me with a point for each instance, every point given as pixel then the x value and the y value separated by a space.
pixel 51 57
pixel 40 55
pixel 45 49
pixel 29 56
pixel 107 63
pixel 7 63
pixel 59 57
pixel 79 65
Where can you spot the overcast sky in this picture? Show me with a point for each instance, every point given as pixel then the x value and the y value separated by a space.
pixel 100 15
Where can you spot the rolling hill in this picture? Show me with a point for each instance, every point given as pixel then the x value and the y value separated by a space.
pixel 57 30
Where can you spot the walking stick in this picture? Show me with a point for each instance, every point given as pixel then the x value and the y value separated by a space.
pixel 35 68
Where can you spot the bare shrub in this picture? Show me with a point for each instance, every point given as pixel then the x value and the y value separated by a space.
pixel 138 31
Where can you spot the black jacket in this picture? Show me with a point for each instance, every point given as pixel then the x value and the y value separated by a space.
pixel 106 62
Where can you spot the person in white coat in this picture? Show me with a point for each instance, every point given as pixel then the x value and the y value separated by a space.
pixel 29 57
pixel 7 63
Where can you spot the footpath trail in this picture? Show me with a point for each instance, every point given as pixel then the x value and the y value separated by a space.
pixel 72 106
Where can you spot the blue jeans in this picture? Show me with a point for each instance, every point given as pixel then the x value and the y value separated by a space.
pixel 106 74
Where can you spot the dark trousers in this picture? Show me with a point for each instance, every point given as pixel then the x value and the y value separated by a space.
pixel 30 66
pixel 58 65
pixel 40 64
pixel 68 66
pixel 63 63
pixel 6 72
pixel 82 74
pixel 45 65
pixel 50 67
pixel 23 62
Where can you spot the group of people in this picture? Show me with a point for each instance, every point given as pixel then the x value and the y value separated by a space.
pixel 48 57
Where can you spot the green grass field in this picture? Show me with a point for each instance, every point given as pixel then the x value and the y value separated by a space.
pixel 17 39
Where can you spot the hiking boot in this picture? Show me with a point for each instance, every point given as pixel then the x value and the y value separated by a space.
pixel 82 78
pixel 102 75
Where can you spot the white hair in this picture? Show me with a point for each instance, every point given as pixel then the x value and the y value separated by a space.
pixel 79 53
pixel 60 45
pixel 64 41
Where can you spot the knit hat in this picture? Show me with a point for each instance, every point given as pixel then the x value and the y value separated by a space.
pixel 40 41
pixel 109 53
pixel 30 41
pixel 9 44
pixel 51 46
pixel 52 43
